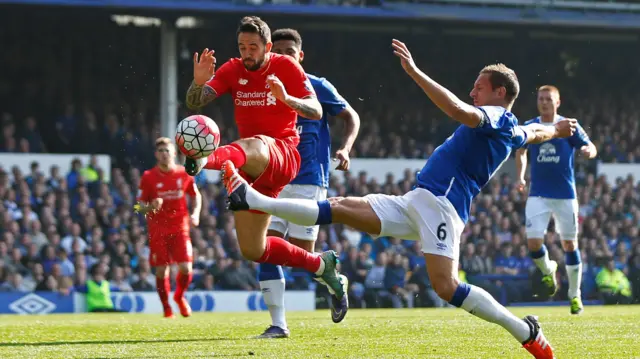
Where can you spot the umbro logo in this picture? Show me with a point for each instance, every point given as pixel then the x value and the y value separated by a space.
pixel 243 81
pixel 159 185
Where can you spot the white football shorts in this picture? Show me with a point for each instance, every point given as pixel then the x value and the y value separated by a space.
pixel 565 213
pixel 420 215
pixel 303 191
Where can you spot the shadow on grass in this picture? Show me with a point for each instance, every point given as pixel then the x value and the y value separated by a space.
pixel 94 342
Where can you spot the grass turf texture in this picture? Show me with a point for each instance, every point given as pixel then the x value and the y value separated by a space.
pixel 600 332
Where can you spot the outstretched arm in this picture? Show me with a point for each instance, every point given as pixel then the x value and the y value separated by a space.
pixel 537 133
pixel 308 107
pixel 446 101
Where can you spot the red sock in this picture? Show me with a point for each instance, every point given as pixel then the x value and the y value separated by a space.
pixel 232 152
pixel 163 287
pixel 182 283
pixel 281 252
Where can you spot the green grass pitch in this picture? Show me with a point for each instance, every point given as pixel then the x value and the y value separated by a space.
pixel 601 332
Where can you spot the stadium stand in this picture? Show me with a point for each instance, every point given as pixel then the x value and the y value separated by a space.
pixel 55 226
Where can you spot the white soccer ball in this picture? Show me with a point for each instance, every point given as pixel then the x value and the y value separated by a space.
pixel 197 136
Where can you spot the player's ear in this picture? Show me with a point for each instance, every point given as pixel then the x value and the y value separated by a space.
pixel 268 46
pixel 301 56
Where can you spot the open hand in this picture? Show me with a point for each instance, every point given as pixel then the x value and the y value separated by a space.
pixel 277 87
pixel 204 68
pixel 401 50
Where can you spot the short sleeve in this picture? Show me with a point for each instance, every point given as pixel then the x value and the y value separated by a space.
pixel 579 138
pixel 500 123
pixel 294 79
pixel 495 120
pixel 144 191
pixel 222 80
pixel 329 98
pixel 190 186
pixel 518 137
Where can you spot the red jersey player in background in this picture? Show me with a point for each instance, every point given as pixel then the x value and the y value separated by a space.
pixel 162 198
pixel 269 92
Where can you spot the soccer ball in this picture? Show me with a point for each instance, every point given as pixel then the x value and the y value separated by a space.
pixel 197 136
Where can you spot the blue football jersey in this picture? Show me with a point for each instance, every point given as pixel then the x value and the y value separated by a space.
pixel 552 174
pixel 465 162
pixel 315 138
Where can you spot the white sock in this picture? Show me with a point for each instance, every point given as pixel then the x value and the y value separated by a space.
pixel 543 263
pixel 482 305
pixel 273 294
pixel 574 272
pixel 299 211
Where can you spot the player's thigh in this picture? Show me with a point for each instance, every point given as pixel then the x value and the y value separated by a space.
pixel 257 154
pixel 565 214
pixel 538 213
pixel 438 224
pixel 282 167
pixel 159 248
pixel 251 230
pixel 376 214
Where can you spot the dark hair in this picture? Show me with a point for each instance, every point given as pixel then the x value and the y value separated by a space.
pixel 502 76
pixel 255 25
pixel 288 35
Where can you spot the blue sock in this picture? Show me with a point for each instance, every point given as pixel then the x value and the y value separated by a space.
pixel 324 212
pixel 269 272
pixel 539 253
pixel 572 258
pixel 462 292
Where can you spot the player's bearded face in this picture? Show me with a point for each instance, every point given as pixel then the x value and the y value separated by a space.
pixel 252 50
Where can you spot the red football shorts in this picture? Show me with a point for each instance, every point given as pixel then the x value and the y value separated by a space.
pixel 283 167
pixel 169 247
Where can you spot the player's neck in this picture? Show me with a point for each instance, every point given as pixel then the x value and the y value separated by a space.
pixel 167 168
pixel 548 118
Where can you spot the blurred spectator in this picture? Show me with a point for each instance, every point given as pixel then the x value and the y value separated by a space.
pixel 613 285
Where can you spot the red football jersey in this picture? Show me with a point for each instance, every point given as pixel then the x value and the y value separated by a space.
pixel 257 112
pixel 171 187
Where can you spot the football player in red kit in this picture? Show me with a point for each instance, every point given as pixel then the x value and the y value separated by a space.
pixel 162 198
pixel 269 92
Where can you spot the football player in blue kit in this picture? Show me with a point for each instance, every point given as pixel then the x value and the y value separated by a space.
pixel 436 211
pixel 311 183
pixel 553 192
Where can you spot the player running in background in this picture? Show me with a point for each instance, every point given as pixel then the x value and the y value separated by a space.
pixel 436 211
pixel 553 192
pixel 269 92
pixel 162 199
pixel 312 180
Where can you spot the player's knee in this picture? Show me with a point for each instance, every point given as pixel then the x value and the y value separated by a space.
pixel 251 252
pixel 254 149
pixel 185 268
pixel 570 245
pixel 162 272
pixel 444 286
pixel 534 244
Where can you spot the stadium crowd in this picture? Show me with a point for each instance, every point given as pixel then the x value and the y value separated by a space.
pixel 55 226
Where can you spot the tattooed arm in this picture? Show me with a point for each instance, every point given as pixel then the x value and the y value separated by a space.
pixel 199 95
pixel 308 107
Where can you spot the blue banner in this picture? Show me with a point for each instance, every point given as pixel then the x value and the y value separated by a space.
pixel 35 303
